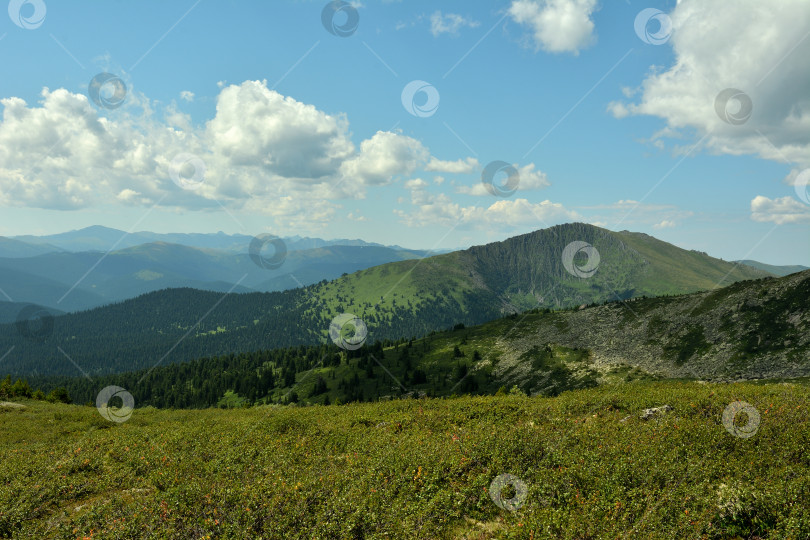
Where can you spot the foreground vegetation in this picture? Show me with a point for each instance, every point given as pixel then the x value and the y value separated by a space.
pixel 416 468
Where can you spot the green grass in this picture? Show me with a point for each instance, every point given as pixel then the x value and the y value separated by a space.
pixel 676 271
pixel 416 468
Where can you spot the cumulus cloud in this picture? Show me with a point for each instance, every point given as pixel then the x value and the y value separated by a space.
pixel 780 211
pixel 449 23
pixel 530 180
pixel 461 166
pixel 748 46
pixel 262 152
pixel 665 224
pixel 187 96
pixel 416 183
pixel 257 126
pixel 384 156
pixel 504 214
pixel 557 25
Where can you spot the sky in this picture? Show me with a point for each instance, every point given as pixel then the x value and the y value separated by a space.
pixel 431 125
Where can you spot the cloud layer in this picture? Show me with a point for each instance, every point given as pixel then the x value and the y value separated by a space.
pixel 261 152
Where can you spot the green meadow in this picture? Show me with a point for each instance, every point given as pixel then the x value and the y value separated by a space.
pixel 419 468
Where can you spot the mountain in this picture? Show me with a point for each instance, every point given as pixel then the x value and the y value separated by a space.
pixel 774 269
pixel 99 238
pixel 10 311
pixel 24 287
pixel 406 298
pixel 12 248
pixel 122 274
pixel 528 271
pixel 757 329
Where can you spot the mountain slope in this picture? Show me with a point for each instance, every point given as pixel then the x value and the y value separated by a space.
pixel 406 298
pixel 24 287
pixel 776 270
pixel 749 330
pixel 12 248
pixel 527 271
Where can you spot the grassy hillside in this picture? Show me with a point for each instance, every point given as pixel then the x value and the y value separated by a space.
pixel 776 269
pixel 400 299
pixel 749 330
pixel 592 468
pixel 677 271
pixel 527 271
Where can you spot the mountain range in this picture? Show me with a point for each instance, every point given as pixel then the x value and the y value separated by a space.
pixel 99 238
pixel 48 272
pixel 754 329
pixel 91 267
pixel 399 299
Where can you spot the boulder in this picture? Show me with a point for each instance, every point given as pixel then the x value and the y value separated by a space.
pixel 646 414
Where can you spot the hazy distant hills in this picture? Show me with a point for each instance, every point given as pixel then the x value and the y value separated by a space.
pixel 97 278
pixel 73 270
pixel 21 287
pixel 404 298
pixel 98 238
pixel 774 269
pixel 10 247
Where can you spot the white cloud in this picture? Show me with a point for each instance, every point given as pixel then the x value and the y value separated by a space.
pixel 260 127
pixel 187 96
pixel 557 25
pixel 665 224
pixel 618 109
pixel 530 180
pixel 745 45
pixel 356 216
pixel 449 23
pixel 384 156
pixel 262 151
pixel 503 214
pixel 780 211
pixel 461 166
pixel 416 183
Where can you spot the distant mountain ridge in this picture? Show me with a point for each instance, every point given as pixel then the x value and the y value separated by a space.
pixel 99 238
pixel 99 279
pixel 397 299
pixel 776 270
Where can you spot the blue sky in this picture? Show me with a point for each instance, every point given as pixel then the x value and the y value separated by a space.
pixel 304 132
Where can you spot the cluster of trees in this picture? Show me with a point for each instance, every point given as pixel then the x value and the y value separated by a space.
pixel 317 374
pixel 178 325
pixel 21 389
